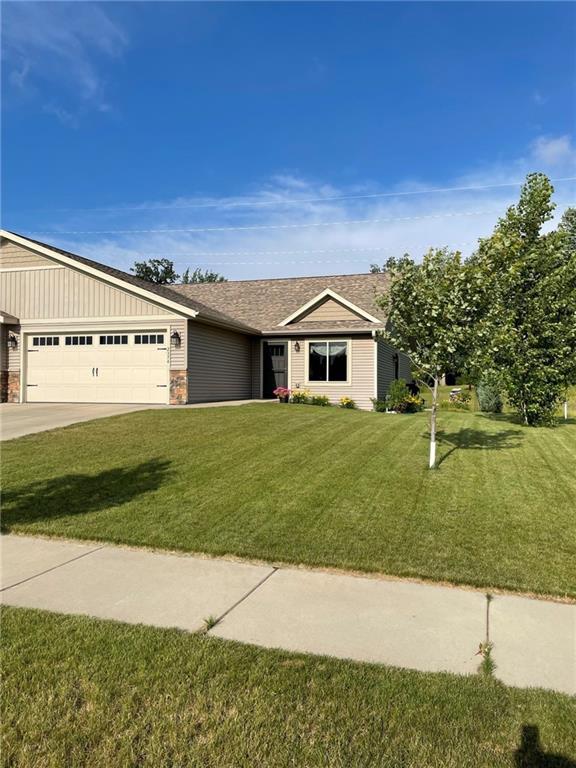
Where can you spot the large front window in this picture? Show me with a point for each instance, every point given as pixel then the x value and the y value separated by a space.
pixel 328 361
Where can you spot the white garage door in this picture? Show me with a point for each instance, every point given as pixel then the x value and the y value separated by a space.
pixel 97 367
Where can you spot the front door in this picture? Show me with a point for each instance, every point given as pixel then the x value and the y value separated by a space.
pixel 275 366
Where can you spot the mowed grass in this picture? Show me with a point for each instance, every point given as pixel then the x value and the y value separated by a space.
pixel 319 486
pixel 83 692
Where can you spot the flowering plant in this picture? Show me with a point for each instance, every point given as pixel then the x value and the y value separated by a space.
pixel 300 396
pixel 347 402
pixel 282 393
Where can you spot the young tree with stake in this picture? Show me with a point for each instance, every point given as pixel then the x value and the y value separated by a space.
pixel 431 310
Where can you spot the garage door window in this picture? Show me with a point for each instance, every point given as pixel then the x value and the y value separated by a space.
pixel 149 338
pixel 113 339
pixel 75 341
pixel 45 341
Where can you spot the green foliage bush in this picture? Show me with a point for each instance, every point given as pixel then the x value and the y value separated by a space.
pixel 397 393
pixel 322 400
pixel 380 406
pixel 454 405
pixel 489 394
pixel 347 402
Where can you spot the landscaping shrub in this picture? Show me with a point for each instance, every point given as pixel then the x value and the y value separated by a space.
pixel 411 404
pixel 455 404
pixel 489 394
pixel 322 400
pixel 380 406
pixel 399 398
pixel 397 393
pixel 300 396
pixel 347 402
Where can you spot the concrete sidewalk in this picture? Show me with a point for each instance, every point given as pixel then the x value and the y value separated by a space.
pixel 405 624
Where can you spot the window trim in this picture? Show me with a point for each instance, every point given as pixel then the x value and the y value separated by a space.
pixel 327 383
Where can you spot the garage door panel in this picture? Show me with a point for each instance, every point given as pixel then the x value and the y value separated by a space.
pixel 66 371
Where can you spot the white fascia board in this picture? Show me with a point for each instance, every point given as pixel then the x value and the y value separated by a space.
pixel 99 274
pixel 8 319
pixel 329 293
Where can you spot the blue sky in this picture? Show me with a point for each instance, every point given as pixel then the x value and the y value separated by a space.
pixel 125 117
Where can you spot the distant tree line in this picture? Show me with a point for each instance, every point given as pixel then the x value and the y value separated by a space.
pixel 162 272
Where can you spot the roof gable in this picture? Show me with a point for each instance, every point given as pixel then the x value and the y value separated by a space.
pixel 266 303
pixel 333 299
pixel 159 294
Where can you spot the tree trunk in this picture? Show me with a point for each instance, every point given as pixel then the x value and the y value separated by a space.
pixel 432 462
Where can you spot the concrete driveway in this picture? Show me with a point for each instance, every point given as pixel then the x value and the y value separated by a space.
pixel 18 419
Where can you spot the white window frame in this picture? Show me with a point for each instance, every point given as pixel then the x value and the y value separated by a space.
pixel 328 383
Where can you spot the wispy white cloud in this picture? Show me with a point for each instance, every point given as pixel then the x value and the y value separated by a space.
pixel 407 222
pixel 554 152
pixel 54 52
pixel 539 98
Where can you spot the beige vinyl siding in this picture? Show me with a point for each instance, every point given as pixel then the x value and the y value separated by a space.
pixel 3 347
pixel 40 294
pixel 13 256
pixel 361 371
pixel 219 364
pixel 178 355
pixel 14 354
pixel 329 310
pixel 386 367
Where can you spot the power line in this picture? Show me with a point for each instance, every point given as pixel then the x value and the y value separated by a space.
pixel 345 222
pixel 246 203
pixel 204 254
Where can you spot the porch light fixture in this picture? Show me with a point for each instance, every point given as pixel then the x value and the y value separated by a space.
pixel 175 339
pixel 297 347
pixel 12 341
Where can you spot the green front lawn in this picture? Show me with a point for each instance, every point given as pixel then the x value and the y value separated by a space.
pixel 319 486
pixel 81 692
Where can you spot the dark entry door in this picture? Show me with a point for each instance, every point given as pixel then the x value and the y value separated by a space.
pixel 275 366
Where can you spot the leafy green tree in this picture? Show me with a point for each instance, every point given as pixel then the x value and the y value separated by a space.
pixel 431 309
pixel 159 271
pixel 202 276
pixel 528 279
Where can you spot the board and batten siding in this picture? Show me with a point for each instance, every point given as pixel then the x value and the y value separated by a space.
pixel 385 367
pixel 329 310
pixel 219 364
pixel 33 291
pixel 361 386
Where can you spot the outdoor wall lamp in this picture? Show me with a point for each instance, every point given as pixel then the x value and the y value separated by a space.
pixel 297 347
pixel 175 339
pixel 12 341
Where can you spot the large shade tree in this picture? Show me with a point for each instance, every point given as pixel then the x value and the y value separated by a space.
pixel 431 309
pixel 527 277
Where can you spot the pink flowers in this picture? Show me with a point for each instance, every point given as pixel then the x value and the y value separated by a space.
pixel 282 393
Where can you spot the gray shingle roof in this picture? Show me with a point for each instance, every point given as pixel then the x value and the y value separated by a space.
pixel 266 303
pixel 258 305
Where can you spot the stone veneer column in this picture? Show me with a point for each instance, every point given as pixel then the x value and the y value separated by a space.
pixel 10 387
pixel 178 387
